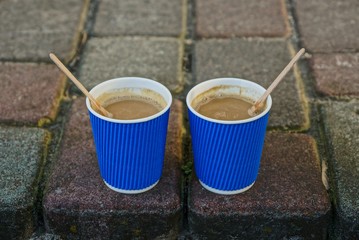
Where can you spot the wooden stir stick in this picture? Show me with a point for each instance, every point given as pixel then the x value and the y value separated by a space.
pixel 259 103
pixel 62 67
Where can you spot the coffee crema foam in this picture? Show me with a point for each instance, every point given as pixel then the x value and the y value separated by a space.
pixel 229 103
pixel 132 103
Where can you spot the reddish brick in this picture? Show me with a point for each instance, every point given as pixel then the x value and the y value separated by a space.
pixel 336 74
pixel 287 200
pixel 78 204
pixel 263 18
pixel 328 25
pixel 29 92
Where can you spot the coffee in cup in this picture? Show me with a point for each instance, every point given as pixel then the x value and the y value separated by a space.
pixel 227 152
pixel 130 151
pixel 132 103
pixel 223 103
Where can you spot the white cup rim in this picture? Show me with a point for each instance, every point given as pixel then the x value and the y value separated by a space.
pixel 131 82
pixel 206 85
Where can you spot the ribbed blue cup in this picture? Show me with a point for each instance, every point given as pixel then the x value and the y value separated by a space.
pixel 227 153
pixel 130 153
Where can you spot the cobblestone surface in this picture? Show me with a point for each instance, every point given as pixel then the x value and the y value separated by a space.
pixel 230 18
pixel 29 30
pixel 342 126
pixel 21 162
pixel 52 187
pixel 288 199
pixel 336 74
pixel 139 17
pixel 154 58
pixel 328 26
pixel 79 205
pixel 248 59
pixel 30 93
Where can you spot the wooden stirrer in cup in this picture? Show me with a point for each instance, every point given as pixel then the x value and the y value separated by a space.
pixel 259 103
pixel 62 67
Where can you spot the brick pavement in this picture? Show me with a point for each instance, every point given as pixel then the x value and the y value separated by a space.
pixel 31 93
pixel 240 19
pixel 290 162
pixel 78 204
pixel 50 187
pixel 30 29
pixel 154 58
pixel 24 150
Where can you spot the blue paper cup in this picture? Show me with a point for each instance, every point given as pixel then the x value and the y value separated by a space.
pixel 227 153
pixel 130 152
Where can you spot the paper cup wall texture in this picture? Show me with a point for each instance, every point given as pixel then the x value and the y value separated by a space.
pixel 227 153
pixel 130 152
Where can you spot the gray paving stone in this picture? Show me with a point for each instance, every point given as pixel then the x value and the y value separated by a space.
pixel 287 201
pixel 139 17
pixel 336 74
pixel 246 18
pixel 259 61
pixel 155 58
pixel 29 30
pixel 77 203
pixel 328 25
pixel 342 127
pixel 21 162
pixel 30 92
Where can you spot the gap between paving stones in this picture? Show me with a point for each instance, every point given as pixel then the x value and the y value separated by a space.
pixel 340 146
pixel 19 203
pixel 56 129
pixel 316 101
